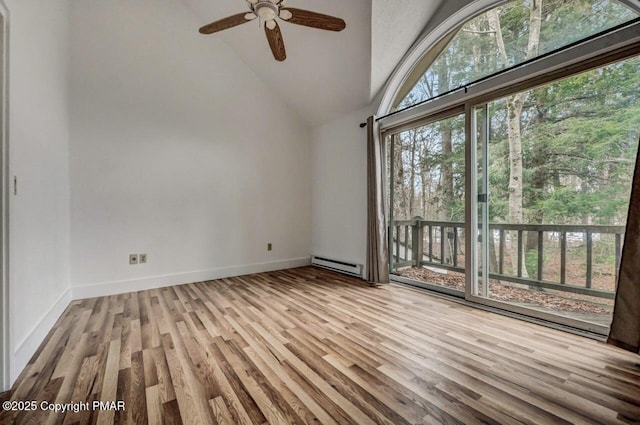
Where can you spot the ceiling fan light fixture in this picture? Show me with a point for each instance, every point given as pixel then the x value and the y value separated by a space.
pixel 286 15
pixel 266 11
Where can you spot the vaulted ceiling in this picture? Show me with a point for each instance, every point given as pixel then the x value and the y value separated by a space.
pixel 326 74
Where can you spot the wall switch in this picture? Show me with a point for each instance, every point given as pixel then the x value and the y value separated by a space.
pixel 142 258
pixel 269 247
pixel 133 258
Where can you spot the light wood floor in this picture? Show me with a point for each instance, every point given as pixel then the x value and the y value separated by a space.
pixel 310 346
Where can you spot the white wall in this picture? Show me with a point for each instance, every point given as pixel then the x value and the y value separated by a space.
pixel 339 157
pixel 395 26
pixel 39 157
pixel 339 188
pixel 179 151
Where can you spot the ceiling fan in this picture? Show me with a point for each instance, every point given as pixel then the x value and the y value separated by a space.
pixel 267 12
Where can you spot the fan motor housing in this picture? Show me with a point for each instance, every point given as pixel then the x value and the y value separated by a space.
pixel 265 10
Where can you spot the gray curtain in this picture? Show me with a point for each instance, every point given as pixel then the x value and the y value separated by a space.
pixel 625 328
pixel 377 251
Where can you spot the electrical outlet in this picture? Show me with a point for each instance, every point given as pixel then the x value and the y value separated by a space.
pixel 133 258
pixel 142 258
pixel 269 247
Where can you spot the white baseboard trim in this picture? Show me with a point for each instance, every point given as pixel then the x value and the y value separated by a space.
pixel 134 285
pixel 30 343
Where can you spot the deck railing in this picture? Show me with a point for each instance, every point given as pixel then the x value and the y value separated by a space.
pixel 440 244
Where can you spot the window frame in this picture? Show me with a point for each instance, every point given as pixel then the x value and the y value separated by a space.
pixel 615 45
pixel 610 47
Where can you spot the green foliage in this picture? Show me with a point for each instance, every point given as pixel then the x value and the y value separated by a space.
pixel 580 140
pixel 579 135
pixel 473 53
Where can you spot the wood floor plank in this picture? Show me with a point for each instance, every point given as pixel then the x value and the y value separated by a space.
pixel 221 412
pixel 244 409
pixel 137 391
pixel 305 407
pixel 154 405
pixel 308 346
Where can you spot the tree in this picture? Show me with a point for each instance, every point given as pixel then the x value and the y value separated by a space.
pixel 559 154
pixel 514 112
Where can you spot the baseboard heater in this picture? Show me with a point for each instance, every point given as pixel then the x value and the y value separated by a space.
pixel 338 266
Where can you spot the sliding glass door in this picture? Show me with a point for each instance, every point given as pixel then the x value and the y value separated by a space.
pixel 554 166
pixel 540 180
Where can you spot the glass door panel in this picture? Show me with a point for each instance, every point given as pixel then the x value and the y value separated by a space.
pixel 426 174
pixel 554 170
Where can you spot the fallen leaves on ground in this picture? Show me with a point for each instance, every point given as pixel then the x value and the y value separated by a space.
pixel 518 294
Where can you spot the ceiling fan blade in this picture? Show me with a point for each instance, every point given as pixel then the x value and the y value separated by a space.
pixel 274 36
pixel 225 23
pixel 312 19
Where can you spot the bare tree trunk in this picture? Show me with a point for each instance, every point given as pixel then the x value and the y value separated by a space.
pixel 516 214
pixel 447 189
pixel 424 177
pixel 535 24
pixel 412 178
pixel 493 262
pixel 399 186
pixel 514 111
pixel 475 48
pixel 494 24
pixel 423 180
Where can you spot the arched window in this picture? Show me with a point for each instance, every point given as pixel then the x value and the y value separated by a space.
pixel 510 149
pixel 505 36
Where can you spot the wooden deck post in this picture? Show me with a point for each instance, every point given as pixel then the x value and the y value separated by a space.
pixel 417 241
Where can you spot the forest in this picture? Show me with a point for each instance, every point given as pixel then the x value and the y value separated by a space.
pixel 562 153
